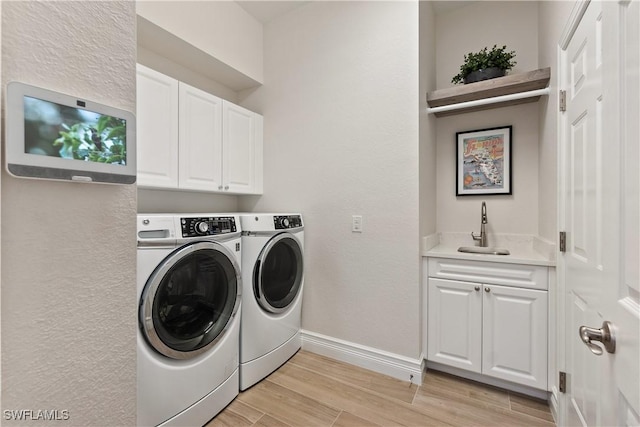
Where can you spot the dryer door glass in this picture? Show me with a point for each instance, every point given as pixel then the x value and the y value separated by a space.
pixel 190 300
pixel 278 273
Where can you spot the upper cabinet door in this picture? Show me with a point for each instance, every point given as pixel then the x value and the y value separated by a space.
pixel 189 139
pixel 200 150
pixel 157 129
pixel 242 149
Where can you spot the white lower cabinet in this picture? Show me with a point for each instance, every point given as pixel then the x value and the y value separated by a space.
pixel 189 139
pixel 455 324
pixel 497 330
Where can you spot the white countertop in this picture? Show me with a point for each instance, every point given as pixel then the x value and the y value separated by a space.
pixel 524 249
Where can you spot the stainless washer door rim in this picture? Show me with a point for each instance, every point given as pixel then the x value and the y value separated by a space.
pixel 151 288
pixel 259 291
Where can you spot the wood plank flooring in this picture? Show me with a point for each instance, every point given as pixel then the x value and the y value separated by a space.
pixel 312 390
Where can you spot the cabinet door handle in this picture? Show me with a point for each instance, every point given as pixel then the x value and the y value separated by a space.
pixel 487 289
pixel 219 187
pixel 226 187
pixel 477 288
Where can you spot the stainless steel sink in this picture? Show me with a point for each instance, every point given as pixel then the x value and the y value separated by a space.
pixel 481 250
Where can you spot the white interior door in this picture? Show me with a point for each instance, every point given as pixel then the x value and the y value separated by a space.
pixel 599 191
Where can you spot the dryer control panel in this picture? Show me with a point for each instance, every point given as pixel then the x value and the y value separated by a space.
pixel 282 222
pixel 207 226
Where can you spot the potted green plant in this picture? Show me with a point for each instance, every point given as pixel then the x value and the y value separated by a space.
pixel 485 64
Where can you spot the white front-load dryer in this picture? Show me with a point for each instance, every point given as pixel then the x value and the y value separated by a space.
pixel 272 281
pixel 189 294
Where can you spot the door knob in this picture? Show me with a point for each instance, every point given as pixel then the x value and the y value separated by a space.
pixel 603 335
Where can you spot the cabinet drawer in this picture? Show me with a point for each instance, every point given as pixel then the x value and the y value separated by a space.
pixel 497 273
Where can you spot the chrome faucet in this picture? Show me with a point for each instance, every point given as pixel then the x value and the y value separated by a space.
pixel 483 235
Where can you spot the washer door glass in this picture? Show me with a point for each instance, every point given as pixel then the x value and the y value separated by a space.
pixel 189 300
pixel 278 273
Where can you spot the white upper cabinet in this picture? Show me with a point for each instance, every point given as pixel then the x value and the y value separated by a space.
pixel 192 140
pixel 242 149
pixel 200 153
pixel 157 129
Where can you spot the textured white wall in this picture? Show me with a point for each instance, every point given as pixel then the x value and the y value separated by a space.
pixel 428 122
pixel 518 213
pixel 428 146
pixel 485 23
pixel 222 29
pixel 469 29
pixel 159 201
pixel 553 16
pixel 340 104
pixel 184 74
pixel 1 133
pixel 69 250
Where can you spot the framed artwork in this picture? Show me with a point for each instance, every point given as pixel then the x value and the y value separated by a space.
pixel 483 162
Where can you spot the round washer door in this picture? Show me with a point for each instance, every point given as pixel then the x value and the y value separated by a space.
pixel 277 275
pixel 189 300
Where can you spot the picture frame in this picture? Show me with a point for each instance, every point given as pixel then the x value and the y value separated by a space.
pixel 483 162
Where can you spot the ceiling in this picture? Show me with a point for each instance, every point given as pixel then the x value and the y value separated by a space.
pixel 267 10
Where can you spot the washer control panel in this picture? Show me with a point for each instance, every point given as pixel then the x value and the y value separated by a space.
pixel 207 226
pixel 282 222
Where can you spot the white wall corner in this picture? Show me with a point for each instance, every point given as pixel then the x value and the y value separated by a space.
pixel 545 247
pixel 391 364
pixel 431 241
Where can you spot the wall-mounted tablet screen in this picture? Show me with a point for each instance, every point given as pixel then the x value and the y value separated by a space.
pixel 56 136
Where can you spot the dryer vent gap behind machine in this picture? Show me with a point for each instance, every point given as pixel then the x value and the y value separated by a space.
pixel 189 288
pixel 272 280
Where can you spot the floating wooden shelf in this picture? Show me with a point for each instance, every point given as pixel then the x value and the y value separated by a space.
pixel 509 90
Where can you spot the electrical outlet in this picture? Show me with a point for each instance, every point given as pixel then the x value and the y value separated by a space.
pixel 356 223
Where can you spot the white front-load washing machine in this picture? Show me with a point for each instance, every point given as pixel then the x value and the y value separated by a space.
pixel 189 294
pixel 272 281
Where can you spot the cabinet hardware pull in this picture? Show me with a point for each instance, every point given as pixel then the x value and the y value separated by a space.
pixel 477 288
pixel 487 289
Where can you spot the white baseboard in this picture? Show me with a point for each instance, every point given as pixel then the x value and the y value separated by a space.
pixel 394 365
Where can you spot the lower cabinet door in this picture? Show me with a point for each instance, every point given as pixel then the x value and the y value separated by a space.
pixel 455 324
pixel 515 335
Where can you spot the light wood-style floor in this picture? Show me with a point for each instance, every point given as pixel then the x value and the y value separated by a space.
pixel 312 390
